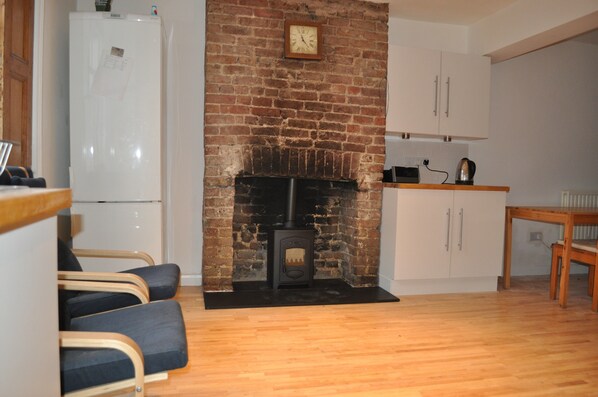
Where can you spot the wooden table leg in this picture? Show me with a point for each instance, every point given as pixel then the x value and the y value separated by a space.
pixel 508 241
pixel 566 262
pixel 554 270
pixel 595 286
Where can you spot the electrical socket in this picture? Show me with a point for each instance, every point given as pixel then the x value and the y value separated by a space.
pixel 414 161
pixel 536 236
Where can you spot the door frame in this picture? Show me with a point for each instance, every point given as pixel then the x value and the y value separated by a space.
pixel 37 88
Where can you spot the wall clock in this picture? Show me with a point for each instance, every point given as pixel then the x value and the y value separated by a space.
pixel 303 40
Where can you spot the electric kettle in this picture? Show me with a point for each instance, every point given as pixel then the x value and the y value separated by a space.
pixel 465 172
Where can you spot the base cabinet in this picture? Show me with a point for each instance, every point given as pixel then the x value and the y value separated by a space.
pixel 439 241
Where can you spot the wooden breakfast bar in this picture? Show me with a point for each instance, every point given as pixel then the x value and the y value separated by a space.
pixel 567 216
pixel 28 290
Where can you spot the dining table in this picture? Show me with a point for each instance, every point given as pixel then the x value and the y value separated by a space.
pixel 566 216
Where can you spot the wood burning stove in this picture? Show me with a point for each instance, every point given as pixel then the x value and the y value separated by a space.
pixel 290 248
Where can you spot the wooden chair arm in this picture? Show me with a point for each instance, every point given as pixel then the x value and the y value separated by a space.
pixel 120 254
pixel 97 286
pixel 105 276
pixel 106 340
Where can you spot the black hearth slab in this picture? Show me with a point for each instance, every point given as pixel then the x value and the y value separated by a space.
pixel 323 292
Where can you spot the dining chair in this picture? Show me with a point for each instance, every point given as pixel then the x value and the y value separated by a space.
pixel 584 252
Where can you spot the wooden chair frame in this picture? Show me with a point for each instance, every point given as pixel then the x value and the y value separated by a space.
pixel 578 255
pixel 110 281
pixel 120 254
pixel 104 282
pixel 111 340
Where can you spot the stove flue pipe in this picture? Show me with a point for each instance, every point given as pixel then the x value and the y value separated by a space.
pixel 289 221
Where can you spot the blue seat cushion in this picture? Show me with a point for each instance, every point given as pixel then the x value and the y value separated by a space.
pixel 158 328
pixel 163 281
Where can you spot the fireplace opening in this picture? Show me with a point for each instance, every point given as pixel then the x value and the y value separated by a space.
pixel 290 248
pixel 324 210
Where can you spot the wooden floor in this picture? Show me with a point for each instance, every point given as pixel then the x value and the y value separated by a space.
pixel 511 343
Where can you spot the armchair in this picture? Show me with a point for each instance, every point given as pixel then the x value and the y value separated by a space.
pixel 20 176
pixel 161 281
pixel 120 349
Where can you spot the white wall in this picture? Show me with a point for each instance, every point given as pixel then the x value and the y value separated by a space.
pixel 184 38
pixel 443 157
pixel 543 137
pixel 50 100
pixel 433 36
pixel 50 131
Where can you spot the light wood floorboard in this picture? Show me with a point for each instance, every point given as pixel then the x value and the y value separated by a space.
pixel 510 343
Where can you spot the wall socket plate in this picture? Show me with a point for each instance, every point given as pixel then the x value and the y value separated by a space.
pixel 536 236
pixel 413 161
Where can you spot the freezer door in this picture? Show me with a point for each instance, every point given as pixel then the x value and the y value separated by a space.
pixel 121 226
pixel 115 108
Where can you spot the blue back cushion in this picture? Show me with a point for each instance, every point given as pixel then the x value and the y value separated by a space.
pixel 67 261
pixel 31 182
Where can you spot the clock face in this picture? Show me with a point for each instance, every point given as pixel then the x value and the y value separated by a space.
pixel 303 39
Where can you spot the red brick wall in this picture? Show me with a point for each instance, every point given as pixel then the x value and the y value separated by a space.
pixel 270 116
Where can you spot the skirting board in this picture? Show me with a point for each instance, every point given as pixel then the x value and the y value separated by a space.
pixel 439 286
pixel 193 280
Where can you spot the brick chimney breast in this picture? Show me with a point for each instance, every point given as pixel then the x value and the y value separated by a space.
pixel 268 116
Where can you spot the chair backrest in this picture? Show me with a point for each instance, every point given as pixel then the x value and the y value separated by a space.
pixel 67 261
pixel 20 176
pixel 31 182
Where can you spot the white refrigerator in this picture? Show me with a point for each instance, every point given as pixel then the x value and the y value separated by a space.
pixel 116 157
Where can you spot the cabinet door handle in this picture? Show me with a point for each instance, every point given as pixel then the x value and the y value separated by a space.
pixel 461 230
pixel 448 228
pixel 436 96
pixel 448 95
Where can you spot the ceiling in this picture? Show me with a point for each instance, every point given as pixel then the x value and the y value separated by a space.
pixel 454 12
pixel 458 12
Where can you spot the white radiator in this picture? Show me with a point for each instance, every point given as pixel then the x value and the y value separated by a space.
pixel 573 198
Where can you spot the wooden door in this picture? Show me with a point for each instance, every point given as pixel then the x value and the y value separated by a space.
pixel 17 79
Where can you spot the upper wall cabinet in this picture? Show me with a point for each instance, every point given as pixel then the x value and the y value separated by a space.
pixel 438 93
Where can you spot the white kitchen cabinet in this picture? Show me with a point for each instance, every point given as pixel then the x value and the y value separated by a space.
pixel 477 234
pixel 438 93
pixel 439 241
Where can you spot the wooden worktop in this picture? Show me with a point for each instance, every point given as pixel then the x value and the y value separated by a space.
pixel 434 186
pixel 20 207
